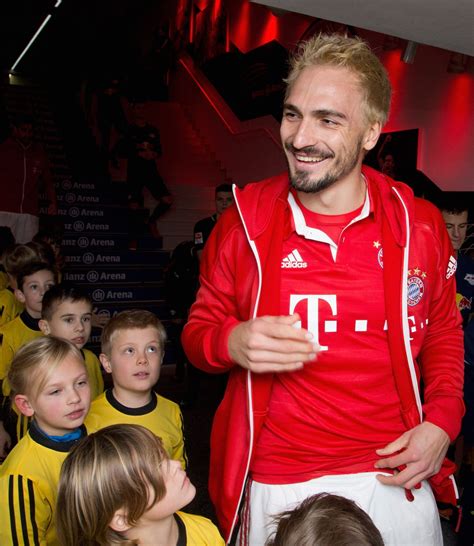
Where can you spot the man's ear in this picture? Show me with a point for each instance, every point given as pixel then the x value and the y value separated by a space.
pixel 119 521
pixel 23 404
pixel 372 135
pixel 44 327
pixel 19 295
pixel 105 361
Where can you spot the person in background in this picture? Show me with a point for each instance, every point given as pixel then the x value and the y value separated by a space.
pixel 67 313
pixel 202 229
pixel 455 211
pixel 24 170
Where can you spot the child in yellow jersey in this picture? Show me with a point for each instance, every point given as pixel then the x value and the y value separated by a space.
pixel 33 280
pixel 67 313
pixel 132 351
pixel 49 383
pixel 118 486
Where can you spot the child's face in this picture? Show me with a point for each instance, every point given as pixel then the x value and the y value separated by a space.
pixel 135 360
pixel 71 320
pixel 34 288
pixel 179 493
pixel 63 402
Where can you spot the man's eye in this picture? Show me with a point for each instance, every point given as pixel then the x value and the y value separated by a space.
pixel 327 121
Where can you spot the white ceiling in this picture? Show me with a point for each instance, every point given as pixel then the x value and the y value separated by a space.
pixel 448 24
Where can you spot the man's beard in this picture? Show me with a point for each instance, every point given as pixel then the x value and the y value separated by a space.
pixel 303 181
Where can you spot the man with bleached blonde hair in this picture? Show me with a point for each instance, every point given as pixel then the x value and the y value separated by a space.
pixel 328 291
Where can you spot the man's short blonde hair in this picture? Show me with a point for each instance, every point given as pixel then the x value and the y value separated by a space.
pixel 354 54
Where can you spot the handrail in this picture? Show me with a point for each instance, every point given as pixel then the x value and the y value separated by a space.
pixel 191 70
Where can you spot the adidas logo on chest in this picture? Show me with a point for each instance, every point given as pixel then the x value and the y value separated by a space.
pixel 293 261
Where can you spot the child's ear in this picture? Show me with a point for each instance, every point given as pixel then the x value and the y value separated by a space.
pixel 105 361
pixel 119 522
pixel 19 295
pixel 23 404
pixel 44 327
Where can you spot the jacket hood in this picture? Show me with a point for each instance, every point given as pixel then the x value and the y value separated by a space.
pixel 258 199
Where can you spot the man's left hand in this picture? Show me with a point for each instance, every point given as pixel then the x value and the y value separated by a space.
pixel 418 454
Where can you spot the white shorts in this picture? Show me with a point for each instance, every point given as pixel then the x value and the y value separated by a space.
pixel 24 226
pixel 400 522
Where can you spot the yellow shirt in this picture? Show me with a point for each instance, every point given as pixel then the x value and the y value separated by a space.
pixel 10 307
pixel 13 335
pixel 197 531
pixel 161 416
pixel 96 381
pixel 29 479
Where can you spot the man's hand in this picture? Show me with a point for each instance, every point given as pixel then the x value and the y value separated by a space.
pixel 271 344
pixel 419 452
pixel 5 442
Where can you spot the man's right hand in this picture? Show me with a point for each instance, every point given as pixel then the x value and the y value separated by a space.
pixel 271 344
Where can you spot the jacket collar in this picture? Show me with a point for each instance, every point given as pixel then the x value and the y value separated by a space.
pixel 257 202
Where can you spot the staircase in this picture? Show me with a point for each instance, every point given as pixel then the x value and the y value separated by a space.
pixel 95 243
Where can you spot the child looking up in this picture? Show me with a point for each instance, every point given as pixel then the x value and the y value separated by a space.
pixel 49 383
pixel 132 351
pixel 67 313
pixel 118 486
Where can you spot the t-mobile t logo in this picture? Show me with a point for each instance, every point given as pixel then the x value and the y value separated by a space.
pixel 313 311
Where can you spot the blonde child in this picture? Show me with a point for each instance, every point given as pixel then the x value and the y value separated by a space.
pixel 49 383
pixel 132 351
pixel 118 487
pixel 67 313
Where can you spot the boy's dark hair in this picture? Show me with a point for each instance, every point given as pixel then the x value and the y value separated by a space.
pixel 453 202
pixel 134 319
pixel 224 188
pixel 58 294
pixel 30 269
pixel 325 520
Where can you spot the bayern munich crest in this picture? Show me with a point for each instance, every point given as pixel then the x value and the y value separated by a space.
pixel 415 290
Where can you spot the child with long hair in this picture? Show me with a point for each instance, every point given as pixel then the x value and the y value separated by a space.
pixel 119 487
pixel 49 383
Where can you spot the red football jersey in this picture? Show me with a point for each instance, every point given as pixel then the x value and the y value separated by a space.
pixel 330 417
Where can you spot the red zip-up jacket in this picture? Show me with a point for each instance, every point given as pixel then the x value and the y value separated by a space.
pixel 240 278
